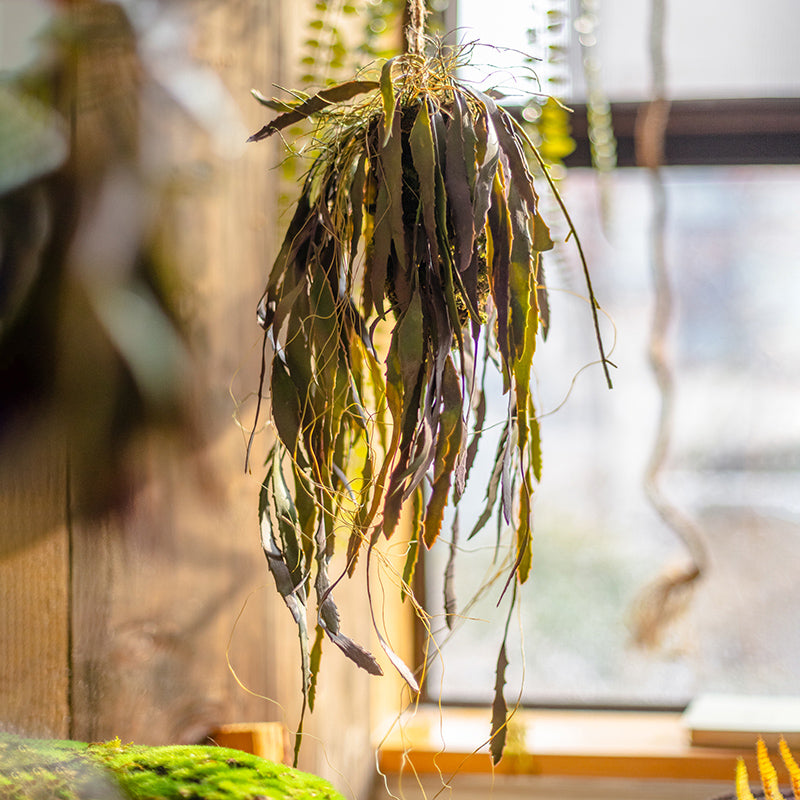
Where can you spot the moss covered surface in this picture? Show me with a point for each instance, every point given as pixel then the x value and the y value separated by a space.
pixel 31 769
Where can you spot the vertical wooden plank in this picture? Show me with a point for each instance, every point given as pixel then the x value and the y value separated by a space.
pixel 157 591
pixel 34 576
pixel 160 584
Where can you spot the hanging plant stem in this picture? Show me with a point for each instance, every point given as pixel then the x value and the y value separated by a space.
pixel 415 30
pixel 416 234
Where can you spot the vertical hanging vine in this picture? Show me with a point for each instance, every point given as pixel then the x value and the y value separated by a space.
pixel 665 597
pixel 417 225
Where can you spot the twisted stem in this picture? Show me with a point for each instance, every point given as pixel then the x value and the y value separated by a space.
pixel 415 29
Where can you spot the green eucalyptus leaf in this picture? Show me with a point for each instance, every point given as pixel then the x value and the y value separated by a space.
pixel 381 247
pixel 542 240
pixel 392 162
pixel 522 568
pixel 499 223
pixel 273 500
pixel 299 230
pixel 521 288
pixel 404 368
pixel 542 301
pixel 410 344
pixel 535 442
pixel 387 94
pixel 412 555
pixel 357 205
pixel 285 405
pixel 506 479
pixel 315 661
pixel 288 527
pixel 472 449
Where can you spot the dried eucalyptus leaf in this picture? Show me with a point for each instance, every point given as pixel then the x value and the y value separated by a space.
pixel 511 146
pixel 355 652
pixel 493 486
pixel 448 443
pixel 499 708
pixel 398 663
pixel 499 223
pixel 460 156
pixel 316 103
pixel 488 157
pixel 450 602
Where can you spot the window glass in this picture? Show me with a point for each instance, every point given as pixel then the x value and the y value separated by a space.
pixel 713 48
pixel 733 249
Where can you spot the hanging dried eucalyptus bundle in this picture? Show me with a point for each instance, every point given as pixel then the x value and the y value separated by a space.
pixel 418 225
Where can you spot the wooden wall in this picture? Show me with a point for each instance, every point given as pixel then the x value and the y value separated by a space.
pixel 124 624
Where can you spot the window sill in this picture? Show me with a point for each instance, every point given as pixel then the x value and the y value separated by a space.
pixel 618 744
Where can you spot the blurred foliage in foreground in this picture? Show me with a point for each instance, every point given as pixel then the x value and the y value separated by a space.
pixel 88 337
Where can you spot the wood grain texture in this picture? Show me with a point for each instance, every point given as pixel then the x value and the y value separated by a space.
pixel 183 587
pixel 34 578
pixel 159 584
pixel 158 622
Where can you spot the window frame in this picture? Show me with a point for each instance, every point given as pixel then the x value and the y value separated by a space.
pixel 746 131
pixel 709 132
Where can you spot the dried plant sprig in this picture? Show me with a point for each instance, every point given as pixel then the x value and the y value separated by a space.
pixel 418 216
pixel 768 773
pixel 743 791
pixel 791 765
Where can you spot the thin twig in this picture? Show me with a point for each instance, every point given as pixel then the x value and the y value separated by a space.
pixel 581 255
pixel 258 402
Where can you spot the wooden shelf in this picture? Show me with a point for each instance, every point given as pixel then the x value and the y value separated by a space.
pixel 266 739
pixel 617 744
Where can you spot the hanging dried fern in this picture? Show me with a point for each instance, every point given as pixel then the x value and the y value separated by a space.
pixel 418 225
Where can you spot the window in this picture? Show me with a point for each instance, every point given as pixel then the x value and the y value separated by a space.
pixel 733 250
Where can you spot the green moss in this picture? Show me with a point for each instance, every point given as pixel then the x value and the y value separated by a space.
pixel 33 768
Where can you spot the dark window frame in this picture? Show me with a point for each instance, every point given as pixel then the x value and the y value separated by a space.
pixel 704 132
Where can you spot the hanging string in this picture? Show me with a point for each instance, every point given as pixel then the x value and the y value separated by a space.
pixel 667 596
pixel 415 29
